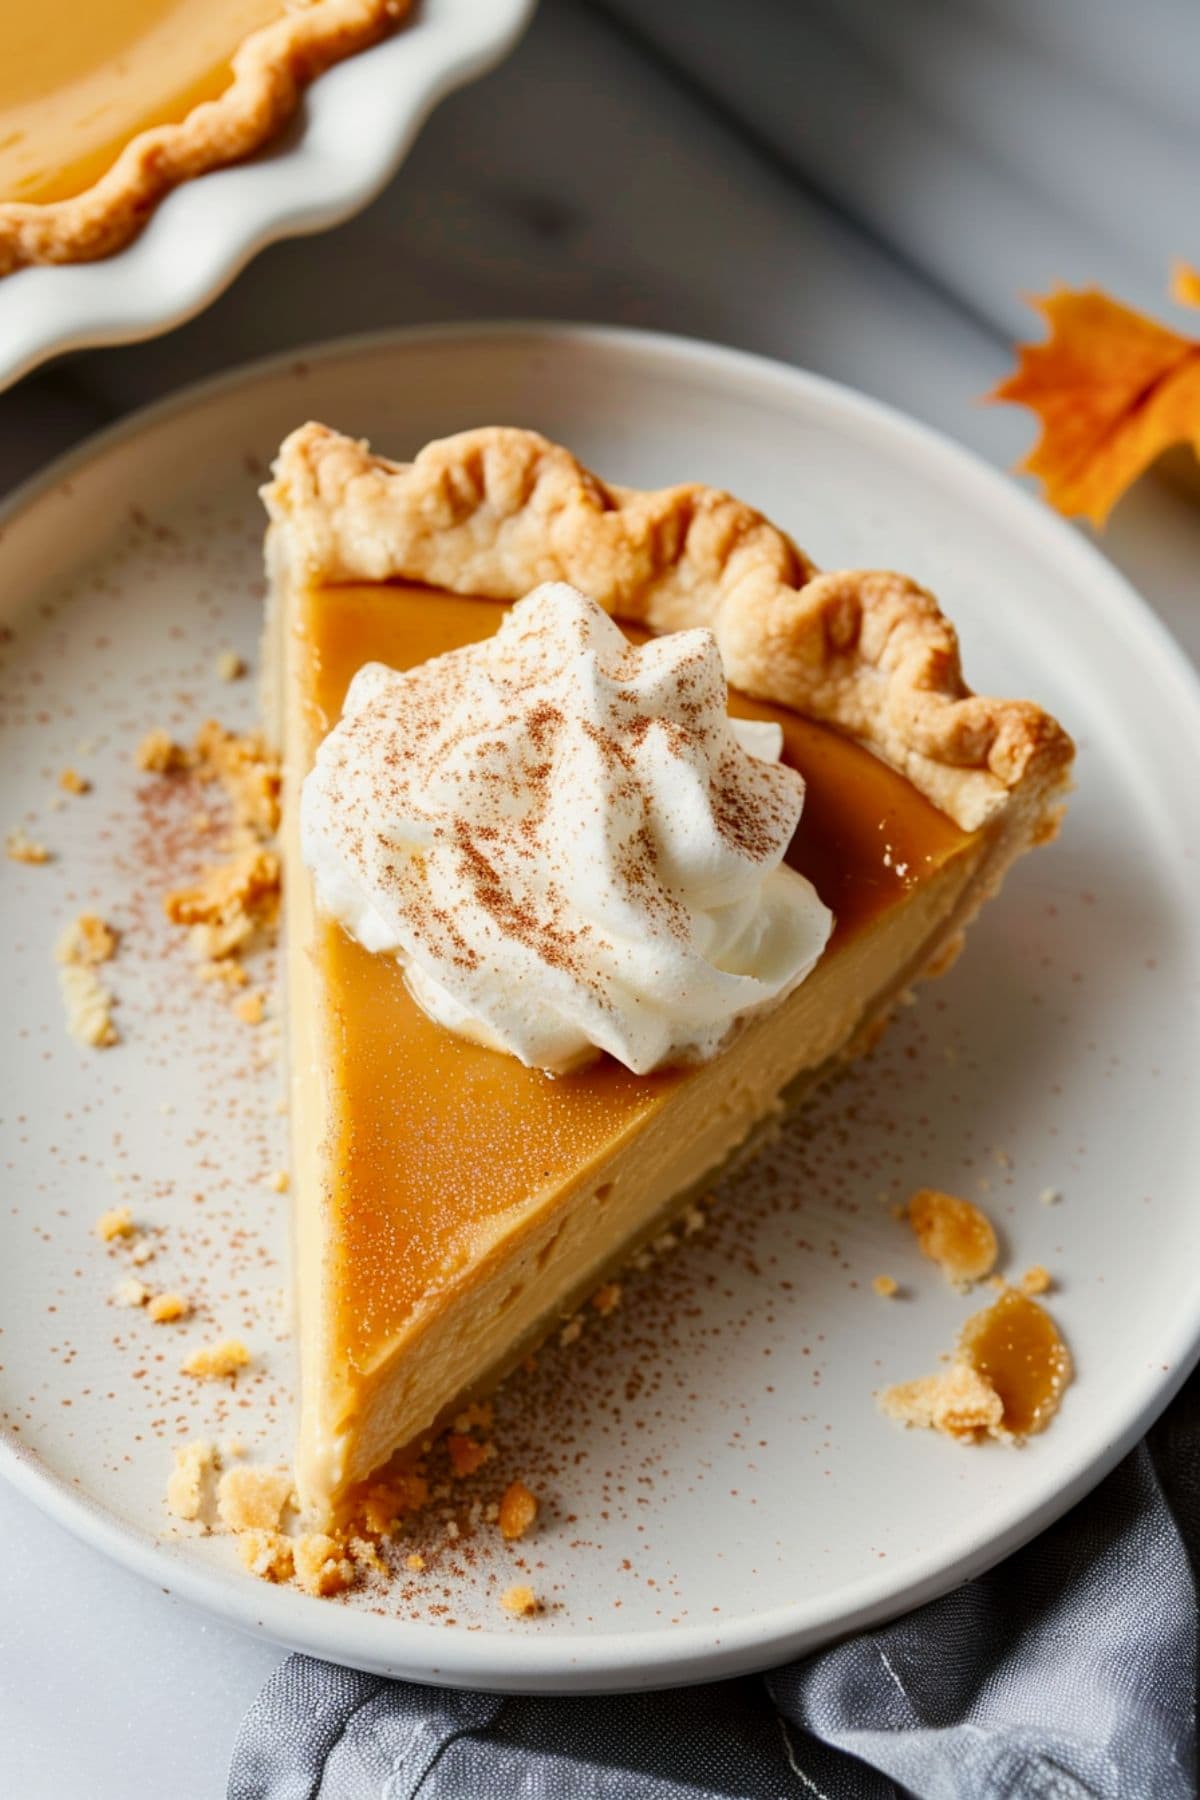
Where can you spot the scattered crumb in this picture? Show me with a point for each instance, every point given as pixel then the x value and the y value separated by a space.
pixel 267 1554
pixel 213 1362
pixel 414 1562
pixel 88 1005
pixel 142 1251
pixel 280 1182
pixel 159 754
pixel 466 1454
pixel 520 1600
pixel 1050 1196
pixel 229 903
pixel 251 1008
pixel 71 782
pixel 250 1499
pixel 20 847
pixel 185 1485
pixel 477 1414
pixel 606 1299
pixel 518 1510
pixel 958 1401
pixel 233 1447
pixel 87 940
pixel 384 1503
pixel 247 770
pixel 885 1286
pixel 366 1554
pixel 693 1220
pixel 571 1332
pixel 117 1222
pixel 229 666
pixel 166 1307
pixel 954 1234
pixel 229 971
pixel 1036 1280
pixel 1006 1381
pixel 130 1292
pixel 321 1567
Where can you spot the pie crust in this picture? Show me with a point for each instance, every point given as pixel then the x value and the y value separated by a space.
pixel 497 511
pixel 271 68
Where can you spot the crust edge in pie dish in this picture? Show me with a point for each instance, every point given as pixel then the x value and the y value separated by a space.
pixel 490 514
pixel 271 69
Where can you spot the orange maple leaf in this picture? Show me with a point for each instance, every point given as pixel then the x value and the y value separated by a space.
pixel 1112 389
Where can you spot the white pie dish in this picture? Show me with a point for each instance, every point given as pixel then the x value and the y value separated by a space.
pixel 354 128
pixel 1027 1064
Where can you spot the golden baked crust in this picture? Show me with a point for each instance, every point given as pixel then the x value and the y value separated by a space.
pixel 270 71
pixel 493 512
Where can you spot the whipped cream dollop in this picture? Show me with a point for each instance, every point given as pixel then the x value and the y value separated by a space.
pixel 566 840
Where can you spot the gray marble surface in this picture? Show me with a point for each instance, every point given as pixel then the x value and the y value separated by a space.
pixel 593 177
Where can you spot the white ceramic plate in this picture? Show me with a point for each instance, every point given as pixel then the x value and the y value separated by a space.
pixel 354 128
pixel 720 1490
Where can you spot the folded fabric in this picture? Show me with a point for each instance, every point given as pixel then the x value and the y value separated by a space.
pixel 1068 1671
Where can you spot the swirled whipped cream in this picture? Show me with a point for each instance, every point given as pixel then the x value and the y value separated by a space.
pixel 566 840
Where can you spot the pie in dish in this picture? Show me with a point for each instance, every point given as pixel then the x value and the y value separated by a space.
pixel 108 104
pixel 453 1204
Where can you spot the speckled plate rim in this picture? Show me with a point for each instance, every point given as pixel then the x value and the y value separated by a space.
pixel 616 1661
pixel 354 128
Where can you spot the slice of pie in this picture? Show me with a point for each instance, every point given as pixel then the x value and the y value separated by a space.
pixel 452 1203
pixel 107 107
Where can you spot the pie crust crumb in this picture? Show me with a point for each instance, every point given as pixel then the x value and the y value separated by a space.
pixel 520 1600
pixel 414 1562
pixel 20 847
pixel 164 1308
pixel 280 1181
pixel 252 1499
pixel 159 754
pixel 130 1292
pixel 185 1485
pixel 267 1554
pixel 214 1362
pixel 117 1222
pixel 958 1401
pixel 87 940
pixel 885 1286
pixel 467 1454
pixel 953 1233
pixel 229 666
pixel 1036 1280
pixel 606 1299
pixel 88 1005
pixel 384 1503
pixel 476 1413
pixel 320 1564
pixel 251 1008
pixel 72 782
pixel 518 1510
pixel 229 903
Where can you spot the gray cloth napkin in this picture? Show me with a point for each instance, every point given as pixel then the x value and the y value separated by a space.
pixel 1068 1671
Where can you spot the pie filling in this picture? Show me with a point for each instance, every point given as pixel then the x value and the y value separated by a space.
pixel 453 1203
pixel 80 79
